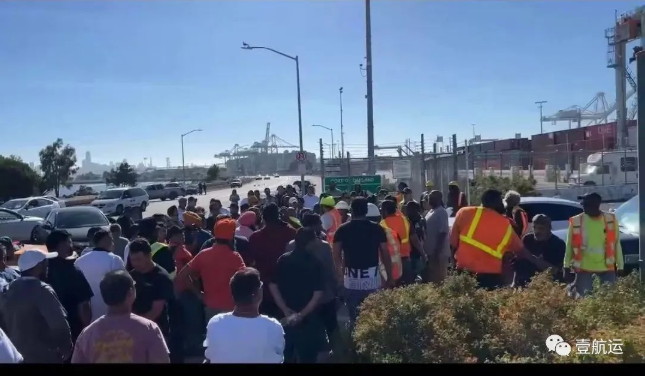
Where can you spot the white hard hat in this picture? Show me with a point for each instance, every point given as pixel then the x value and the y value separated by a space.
pixel 342 205
pixel 372 210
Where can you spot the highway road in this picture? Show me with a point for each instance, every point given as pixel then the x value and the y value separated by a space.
pixel 161 207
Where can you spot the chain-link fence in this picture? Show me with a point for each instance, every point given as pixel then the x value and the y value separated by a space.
pixel 550 169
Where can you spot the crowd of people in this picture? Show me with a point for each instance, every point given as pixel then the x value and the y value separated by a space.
pixel 263 281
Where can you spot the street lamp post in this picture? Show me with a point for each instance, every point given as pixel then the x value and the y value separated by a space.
pixel 245 46
pixel 540 103
pixel 183 166
pixel 342 134
pixel 332 137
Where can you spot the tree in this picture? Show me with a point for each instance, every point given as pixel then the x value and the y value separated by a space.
pixel 213 172
pixel 123 174
pixel 58 165
pixel 523 186
pixel 20 179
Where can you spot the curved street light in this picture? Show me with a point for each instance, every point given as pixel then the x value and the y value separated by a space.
pixel 183 166
pixel 332 138
pixel 246 46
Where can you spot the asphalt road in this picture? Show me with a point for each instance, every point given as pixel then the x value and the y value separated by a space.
pixel 161 207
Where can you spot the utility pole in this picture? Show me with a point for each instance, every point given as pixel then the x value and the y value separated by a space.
pixel 540 103
pixel 640 76
pixel 370 103
pixel 455 172
pixel 322 164
pixel 474 135
pixel 342 133
pixel 423 159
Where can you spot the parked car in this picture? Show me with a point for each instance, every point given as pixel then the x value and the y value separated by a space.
pixel 61 202
pixel 32 206
pixel 276 176
pixel 236 183
pixel 19 227
pixel 175 190
pixel 77 221
pixel 115 200
pixel 164 193
pixel 192 189
pixel 267 177
pixel 559 210
pixel 259 177
pixel 629 226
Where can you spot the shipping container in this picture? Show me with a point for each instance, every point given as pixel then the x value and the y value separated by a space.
pixel 600 130
pixel 503 145
pixel 487 146
pixel 525 144
pixel 569 136
pixel 539 141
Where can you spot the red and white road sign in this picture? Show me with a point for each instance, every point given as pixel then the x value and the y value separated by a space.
pixel 301 156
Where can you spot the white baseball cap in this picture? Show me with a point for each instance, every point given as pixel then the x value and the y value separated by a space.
pixel 372 210
pixel 342 205
pixel 32 257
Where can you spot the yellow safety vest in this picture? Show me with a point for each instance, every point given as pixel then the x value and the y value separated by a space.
pixel 155 248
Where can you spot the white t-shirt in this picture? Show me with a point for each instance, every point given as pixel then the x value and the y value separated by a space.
pixel 94 266
pixel 233 339
pixel 8 352
pixel 327 221
pixel 310 201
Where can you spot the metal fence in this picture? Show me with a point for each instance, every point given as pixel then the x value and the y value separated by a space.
pixel 551 170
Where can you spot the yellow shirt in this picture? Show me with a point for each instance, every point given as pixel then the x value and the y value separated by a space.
pixel 593 257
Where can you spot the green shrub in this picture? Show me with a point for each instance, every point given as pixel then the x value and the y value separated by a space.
pixel 457 322
pixel 524 186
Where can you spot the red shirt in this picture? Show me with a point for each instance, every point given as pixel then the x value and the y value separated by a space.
pixel 182 257
pixel 266 246
pixel 215 266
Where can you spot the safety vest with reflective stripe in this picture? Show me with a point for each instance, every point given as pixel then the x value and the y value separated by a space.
pixel 578 240
pixel 336 221
pixel 156 247
pixel 400 225
pixel 491 240
pixel 525 220
pixel 393 247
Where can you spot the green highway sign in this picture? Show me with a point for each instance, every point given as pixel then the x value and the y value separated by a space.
pixel 346 183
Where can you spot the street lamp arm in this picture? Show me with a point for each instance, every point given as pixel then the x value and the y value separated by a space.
pixel 322 126
pixel 247 47
pixel 194 130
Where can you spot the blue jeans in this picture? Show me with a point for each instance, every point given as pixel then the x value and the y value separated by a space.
pixel 353 300
pixel 584 280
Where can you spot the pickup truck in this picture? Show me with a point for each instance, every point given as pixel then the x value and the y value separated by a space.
pixel 170 191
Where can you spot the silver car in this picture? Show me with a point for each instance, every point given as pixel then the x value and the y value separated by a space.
pixel 77 220
pixel 32 206
pixel 19 227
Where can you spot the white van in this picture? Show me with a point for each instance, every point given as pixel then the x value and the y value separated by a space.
pixel 114 201
pixel 615 167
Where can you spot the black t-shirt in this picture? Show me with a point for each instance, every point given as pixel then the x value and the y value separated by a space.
pixel 72 289
pixel 361 240
pixel 152 286
pixel 417 227
pixel 298 275
pixel 551 250
pixel 240 245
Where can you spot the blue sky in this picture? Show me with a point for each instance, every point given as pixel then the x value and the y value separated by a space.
pixel 124 79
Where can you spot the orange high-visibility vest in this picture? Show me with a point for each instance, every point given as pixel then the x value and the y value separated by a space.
pixel 483 243
pixel 525 220
pixel 400 225
pixel 336 221
pixel 578 243
pixel 393 246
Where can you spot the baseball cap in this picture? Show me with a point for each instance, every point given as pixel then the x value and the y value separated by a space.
pixel 224 229
pixel 453 183
pixel 407 190
pixel 429 184
pixel 293 200
pixel 592 195
pixel 342 205
pixel 32 257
